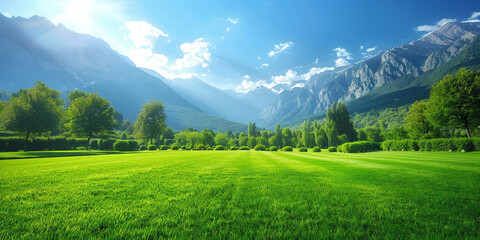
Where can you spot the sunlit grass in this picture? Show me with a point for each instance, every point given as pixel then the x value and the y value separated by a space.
pixel 236 194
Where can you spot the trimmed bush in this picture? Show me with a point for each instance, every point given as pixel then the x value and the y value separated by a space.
pixel 132 145
pixel 12 144
pixel 143 147
pixel 287 149
pixel 244 148
pixel 316 149
pixel 357 147
pixel 163 147
pixel 273 149
pixel 438 144
pixel 219 148
pixel 332 149
pixel 183 147
pixel 121 145
pixel 106 144
pixel 200 147
pixel 93 144
pixel 260 147
pixel 303 149
pixel 175 147
pixel 209 148
pixel 152 147
pixel 464 144
pixel 233 148
pixel 81 148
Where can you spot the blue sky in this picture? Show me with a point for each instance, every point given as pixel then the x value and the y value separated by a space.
pixel 244 44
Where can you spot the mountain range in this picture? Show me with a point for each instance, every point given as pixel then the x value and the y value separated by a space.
pixel 34 49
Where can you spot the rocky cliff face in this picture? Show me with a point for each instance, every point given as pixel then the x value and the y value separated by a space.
pixel 348 84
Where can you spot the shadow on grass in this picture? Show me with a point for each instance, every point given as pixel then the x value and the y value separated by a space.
pixel 49 154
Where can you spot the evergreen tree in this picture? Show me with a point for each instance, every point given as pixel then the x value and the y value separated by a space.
pixel 252 130
pixel 307 137
pixel 287 137
pixel 338 119
pixel 278 136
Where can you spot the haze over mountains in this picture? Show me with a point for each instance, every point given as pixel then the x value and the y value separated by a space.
pixel 35 49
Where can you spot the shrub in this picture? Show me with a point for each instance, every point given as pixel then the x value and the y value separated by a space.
pixel 163 147
pixel 152 147
pixel 121 145
pixel 476 144
pixel 175 147
pixel 244 148
pixel 273 149
pixel 184 147
pixel 464 144
pixel 200 147
pixel 209 148
pixel 287 149
pixel 438 144
pixel 332 149
pixel 219 148
pixel 106 144
pixel 133 145
pixel 81 148
pixel 360 146
pixel 233 148
pixel 93 144
pixel 260 147
pixel 303 149
pixel 316 149
pixel 143 147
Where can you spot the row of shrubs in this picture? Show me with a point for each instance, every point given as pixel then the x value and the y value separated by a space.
pixel 438 144
pixel 13 144
pixel 357 147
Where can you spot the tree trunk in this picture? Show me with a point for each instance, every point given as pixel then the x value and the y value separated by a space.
pixel 88 142
pixel 467 130
pixel 25 148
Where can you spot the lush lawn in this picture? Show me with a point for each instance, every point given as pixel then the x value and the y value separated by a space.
pixel 235 194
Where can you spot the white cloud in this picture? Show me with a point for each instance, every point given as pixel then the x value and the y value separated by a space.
pixel 314 71
pixel 289 76
pixel 6 14
pixel 264 65
pixel 299 85
pixel 143 34
pixel 361 47
pixel 475 15
pixel 246 77
pixel 316 60
pixel 371 49
pixel 233 20
pixel 472 21
pixel 279 48
pixel 340 62
pixel 247 86
pixel 259 58
pixel 438 25
pixel 228 29
pixel 194 54
pixel 342 53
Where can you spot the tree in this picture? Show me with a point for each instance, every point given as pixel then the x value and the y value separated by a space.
pixel 33 110
pixel 118 117
pixel 307 137
pixel 74 95
pixel 252 130
pixel 321 138
pixel 339 117
pixel 150 123
pixel 221 139
pixel 455 101
pixel 287 137
pixel 252 142
pixel 416 122
pixel 208 137
pixel 263 141
pixel 90 115
pixel 278 136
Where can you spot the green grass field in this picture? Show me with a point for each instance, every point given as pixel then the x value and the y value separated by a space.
pixel 235 194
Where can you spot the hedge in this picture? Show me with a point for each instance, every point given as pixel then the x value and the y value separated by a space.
pixel 316 149
pixel 360 146
pixel 244 148
pixel 121 145
pixel 303 149
pixel 260 147
pixel 152 147
pixel 287 149
pixel 331 149
pixel 174 147
pixel 106 144
pixel 219 147
pixel 233 148
pixel 163 147
pixel 13 144
pixel 200 147
pixel 273 149
pixel 437 144
pixel 143 147
pixel 133 145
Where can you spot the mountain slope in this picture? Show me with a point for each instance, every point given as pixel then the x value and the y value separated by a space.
pixel 35 49
pixel 399 65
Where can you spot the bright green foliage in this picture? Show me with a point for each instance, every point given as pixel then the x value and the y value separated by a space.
pixel 33 110
pixel 321 138
pixel 331 149
pixel 233 148
pixel 287 137
pixel 455 101
pixel 273 149
pixel 132 145
pixel 106 144
pixel 260 147
pixel 252 142
pixel 152 147
pixel 242 195
pixel 417 124
pixel 278 136
pixel 437 144
pixel 163 147
pixel 263 141
pixel 303 149
pixel 121 145
pixel 307 134
pixel 143 147
pixel 221 139
pixel 189 138
pixel 357 147
pixel 174 147
pixel 200 146
pixel 373 134
pixel 233 142
pixel 338 120
pixel 90 115
pixel 287 149
pixel 208 137
pixel 244 148
pixel 316 149
pixel 219 148
pixel 74 95
pixel 150 123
